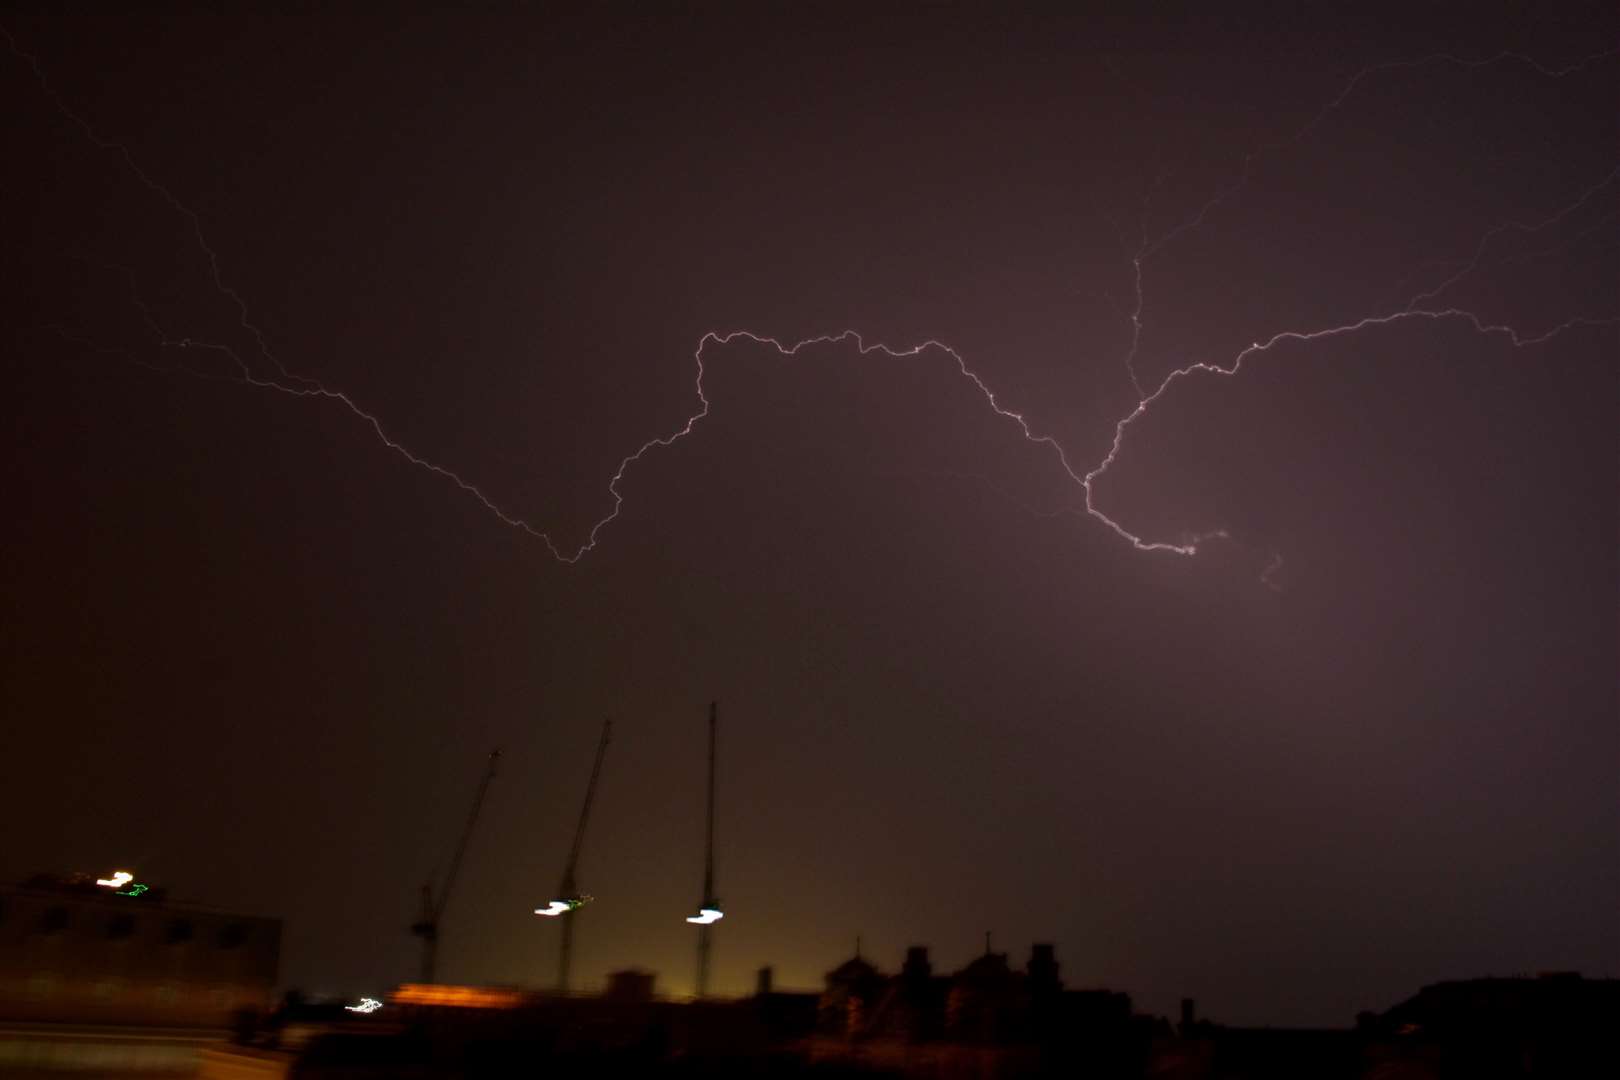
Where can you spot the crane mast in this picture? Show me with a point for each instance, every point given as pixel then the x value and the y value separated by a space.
pixel 427 927
pixel 569 898
pixel 709 910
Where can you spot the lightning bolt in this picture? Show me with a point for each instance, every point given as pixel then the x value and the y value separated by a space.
pixel 1513 226
pixel 1456 61
pixel 286 382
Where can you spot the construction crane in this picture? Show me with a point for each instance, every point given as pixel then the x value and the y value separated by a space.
pixel 709 911
pixel 569 898
pixel 427 928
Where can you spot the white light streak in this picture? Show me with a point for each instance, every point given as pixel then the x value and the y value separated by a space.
pixel 563 905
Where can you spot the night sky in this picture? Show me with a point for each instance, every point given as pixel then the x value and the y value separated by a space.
pixel 1364 740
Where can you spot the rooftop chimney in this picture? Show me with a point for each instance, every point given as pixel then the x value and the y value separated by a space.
pixel 1043 967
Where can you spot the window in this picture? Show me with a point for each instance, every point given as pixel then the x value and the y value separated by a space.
pixel 233 935
pixel 55 920
pixel 180 930
pixel 120 927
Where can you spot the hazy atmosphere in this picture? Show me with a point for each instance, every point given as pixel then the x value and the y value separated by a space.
pixel 330 331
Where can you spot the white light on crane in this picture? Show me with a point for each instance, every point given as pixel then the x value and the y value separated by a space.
pixel 367 1005
pixel 562 906
pixel 705 916
pixel 119 879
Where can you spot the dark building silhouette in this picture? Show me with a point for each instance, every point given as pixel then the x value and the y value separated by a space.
pixel 1554 1025
pixel 75 952
pixel 1004 1021
pixel 631 984
pixel 987 1002
pixel 853 990
pixel 986 1020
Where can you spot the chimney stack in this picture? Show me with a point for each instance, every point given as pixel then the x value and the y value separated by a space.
pixel 917 966
pixel 1043 967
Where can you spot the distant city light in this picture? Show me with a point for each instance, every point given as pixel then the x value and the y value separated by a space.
pixel 558 907
pixel 367 1005
pixel 465 997
pixel 705 916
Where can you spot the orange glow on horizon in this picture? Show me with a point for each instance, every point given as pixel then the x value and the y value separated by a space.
pixel 461 997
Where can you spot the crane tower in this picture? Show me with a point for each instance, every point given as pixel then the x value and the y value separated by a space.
pixel 569 898
pixel 427 927
pixel 709 910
